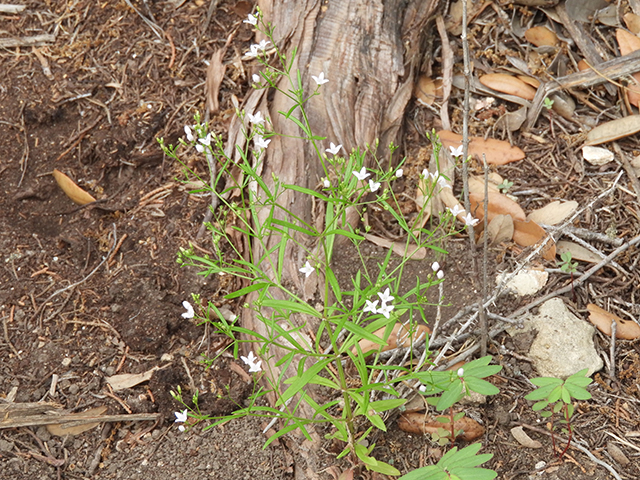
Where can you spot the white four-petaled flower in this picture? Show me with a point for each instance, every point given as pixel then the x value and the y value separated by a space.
pixel 333 149
pixel 456 210
pixel 255 365
pixel 189 311
pixel 251 20
pixel 435 266
pixel 385 297
pixel 374 186
pixel 320 80
pixel 370 306
pixel 326 182
pixel 440 274
pixel 362 174
pixel 460 372
pixel 256 119
pixel 256 48
pixel 443 182
pixel 307 269
pixel 456 152
pixel 385 310
pixel 469 220
pixel 187 131
pixel 256 78
pixel 260 142
pixel 399 173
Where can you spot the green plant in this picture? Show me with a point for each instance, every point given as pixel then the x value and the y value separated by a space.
pixel 505 186
pixel 567 266
pixel 456 465
pixel 558 395
pixel 368 310
pixel 548 103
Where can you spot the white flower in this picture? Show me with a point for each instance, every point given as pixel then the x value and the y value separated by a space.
pixel 456 152
pixel 256 48
pixel 385 310
pixel 180 416
pixel 256 119
pixel 181 428
pixel 254 366
pixel 187 131
pixel 373 186
pixel 320 80
pixel 362 174
pixel 385 297
pixel 435 266
pixel 333 149
pixel 469 220
pixel 460 372
pixel 263 45
pixel 307 269
pixel 440 274
pixel 422 388
pixel 326 182
pixel 189 310
pixel 370 307
pixel 256 78
pixel 206 140
pixel 425 173
pixel 199 148
pixel 443 182
pixel 399 173
pixel 456 210
pixel 251 20
pixel 260 142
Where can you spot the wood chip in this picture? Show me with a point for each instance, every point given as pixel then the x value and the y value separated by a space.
pixel 523 439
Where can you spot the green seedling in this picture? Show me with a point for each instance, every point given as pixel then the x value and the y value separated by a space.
pixel 505 186
pixel 548 103
pixel 567 266
pixel 557 395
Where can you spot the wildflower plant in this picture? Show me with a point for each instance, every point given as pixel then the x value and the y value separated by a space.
pixel 373 302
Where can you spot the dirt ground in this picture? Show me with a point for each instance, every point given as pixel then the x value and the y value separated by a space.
pixel 86 293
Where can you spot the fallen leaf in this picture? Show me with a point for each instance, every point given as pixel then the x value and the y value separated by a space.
pixel 578 252
pixel 583 65
pixel 61 431
pixel 541 37
pixel 500 229
pixel 534 82
pixel 553 213
pixel 628 43
pixel 499 204
pixel 617 454
pixel 399 337
pixel 476 183
pixel 128 380
pixel 614 130
pixel 523 439
pixel 633 22
pixel 625 329
pixel 529 233
pixel 71 190
pixel 501 82
pixel 427 90
pixel 419 422
pixel 498 152
pixel 399 248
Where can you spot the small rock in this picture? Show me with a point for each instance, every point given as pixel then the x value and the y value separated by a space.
pixel 66 362
pixel 6 446
pixel 74 389
pixel 526 282
pixel 43 434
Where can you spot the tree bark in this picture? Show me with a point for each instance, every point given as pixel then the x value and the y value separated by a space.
pixel 370 51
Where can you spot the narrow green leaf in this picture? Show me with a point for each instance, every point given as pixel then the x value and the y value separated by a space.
pixel 245 290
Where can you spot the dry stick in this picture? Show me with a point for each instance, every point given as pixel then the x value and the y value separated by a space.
pixel 6 331
pixel 485 249
pixel 465 121
pixel 628 168
pixel 73 285
pixel 447 68
pixel 612 350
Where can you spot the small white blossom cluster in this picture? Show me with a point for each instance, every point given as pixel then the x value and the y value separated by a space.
pixel 384 309
pixel 436 177
pixel 467 219
pixel 255 365
pixel 181 417
pixel 435 266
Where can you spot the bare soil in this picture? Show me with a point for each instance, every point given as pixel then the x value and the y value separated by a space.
pixel 92 104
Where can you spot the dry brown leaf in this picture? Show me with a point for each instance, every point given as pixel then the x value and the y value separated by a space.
pixel 399 337
pixel 628 43
pixel 61 431
pixel 500 229
pixel 534 82
pixel 541 37
pixel 625 329
pixel 498 152
pixel 578 252
pixel 553 213
pixel 501 82
pixel 128 380
pixel 476 183
pixel 633 22
pixel 523 439
pixel 427 90
pixel 499 204
pixel 583 65
pixel 71 190
pixel 529 233
pixel 421 423
pixel 399 248
pixel 614 130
